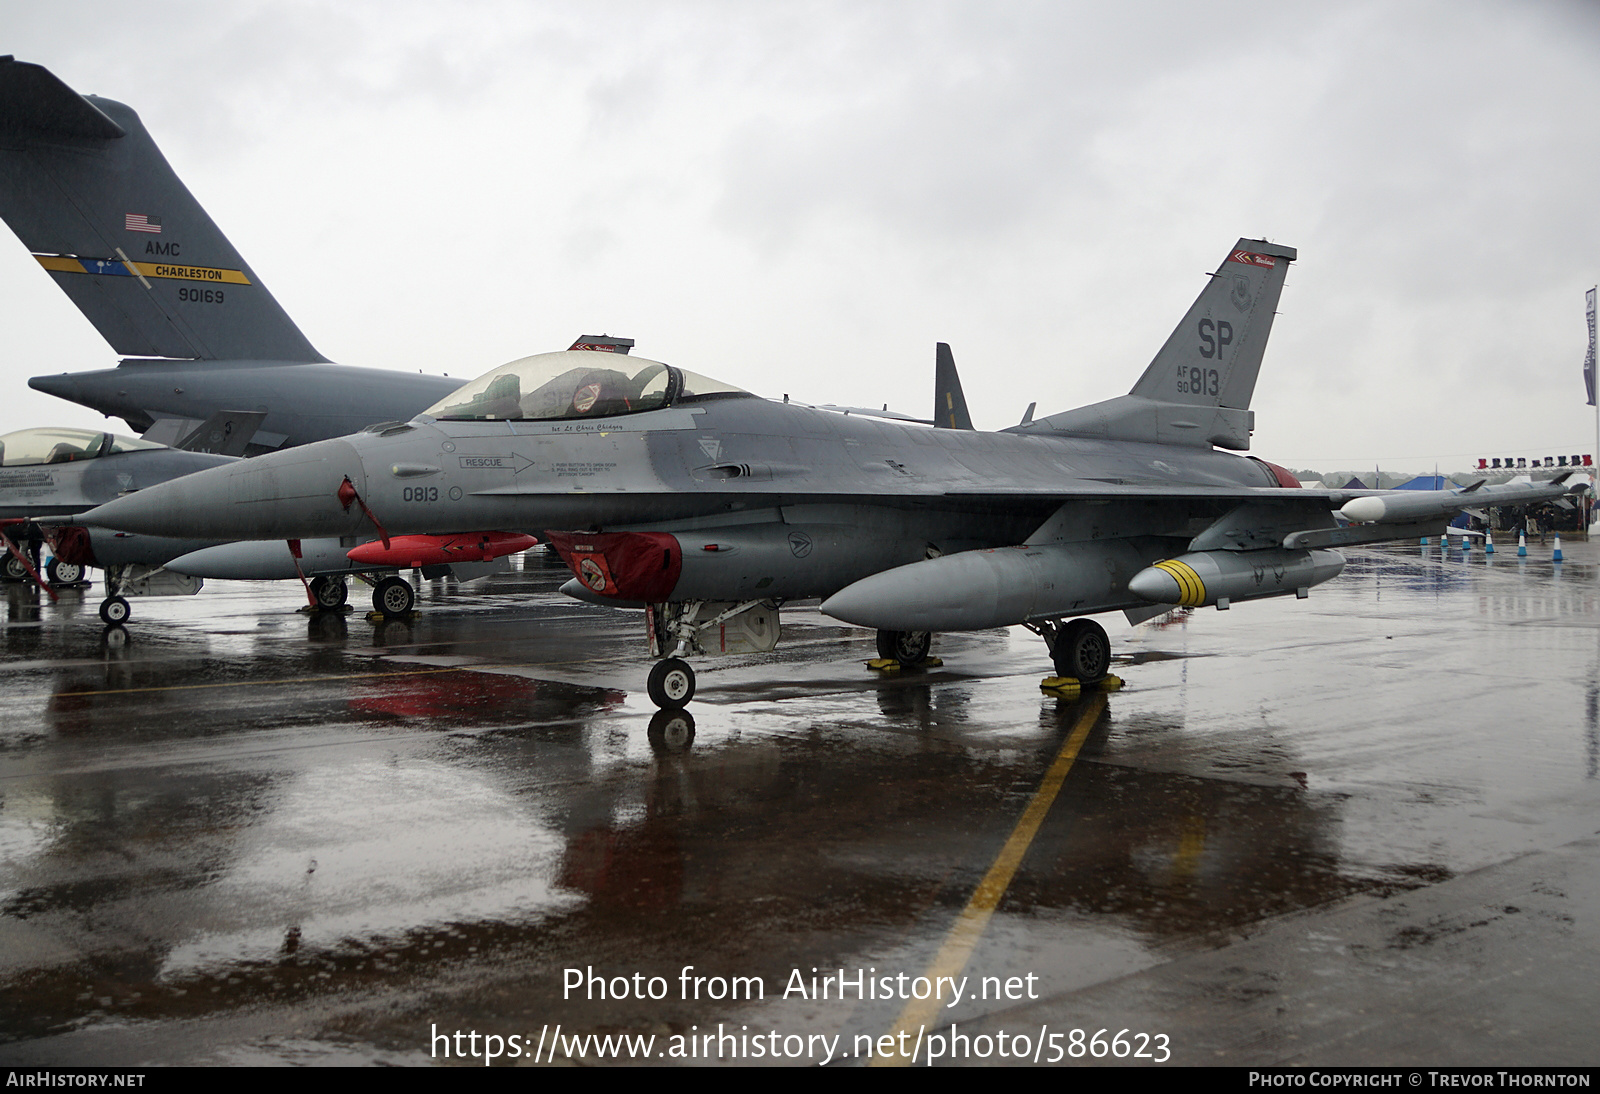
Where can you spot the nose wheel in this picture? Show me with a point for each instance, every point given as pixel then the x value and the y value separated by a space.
pixel 671 683
pixel 114 611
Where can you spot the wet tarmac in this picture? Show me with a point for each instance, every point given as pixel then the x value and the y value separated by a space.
pixel 1356 829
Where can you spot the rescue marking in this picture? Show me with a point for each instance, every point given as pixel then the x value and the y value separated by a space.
pixel 969 925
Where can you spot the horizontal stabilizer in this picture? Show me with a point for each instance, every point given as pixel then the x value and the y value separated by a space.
pixel 34 102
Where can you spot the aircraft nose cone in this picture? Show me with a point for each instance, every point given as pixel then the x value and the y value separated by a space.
pixel 1156 586
pixel 286 495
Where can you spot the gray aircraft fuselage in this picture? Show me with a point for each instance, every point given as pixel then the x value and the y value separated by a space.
pixel 793 501
pixel 71 486
pixel 303 402
pixel 661 487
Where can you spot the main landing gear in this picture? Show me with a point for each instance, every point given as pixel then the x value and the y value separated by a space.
pixel 1080 648
pixel 906 647
pixel 393 597
pixel 63 573
pixel 330 592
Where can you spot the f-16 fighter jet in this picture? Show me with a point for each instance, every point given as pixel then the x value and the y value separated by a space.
pixel 710 506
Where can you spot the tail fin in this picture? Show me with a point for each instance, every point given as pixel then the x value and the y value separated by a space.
pixel 949 404
pixel 1197 389
pixel 89 193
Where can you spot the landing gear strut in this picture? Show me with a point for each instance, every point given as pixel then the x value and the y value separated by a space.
pixel 114 609
pixel 675 630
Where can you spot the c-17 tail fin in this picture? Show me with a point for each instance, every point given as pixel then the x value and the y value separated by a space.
pixel 949 404
pixel 89 193
pixel 1197 389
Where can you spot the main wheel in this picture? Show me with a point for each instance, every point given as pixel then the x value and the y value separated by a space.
pixel 114 610
pixel 331 592
pixel 393 596
pixel 671 683
pixel 14 569
pixel 906 647
pixel 671 730
pixel 1082 651
pixel 63 573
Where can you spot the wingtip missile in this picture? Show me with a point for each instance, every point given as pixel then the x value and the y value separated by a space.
pixel 1403 506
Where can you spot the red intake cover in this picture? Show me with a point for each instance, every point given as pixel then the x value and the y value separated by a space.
pixel 415 551
pixel 71 545
pixel 622 565
pixel 1279 473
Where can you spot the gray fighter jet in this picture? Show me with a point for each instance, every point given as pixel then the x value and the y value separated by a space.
pixel 56 472
pixel 89 193
pixel 709 506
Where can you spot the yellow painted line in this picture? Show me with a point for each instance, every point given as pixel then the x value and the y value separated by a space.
pixel 969 926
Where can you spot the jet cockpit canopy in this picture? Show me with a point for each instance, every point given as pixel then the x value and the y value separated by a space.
pixel 50 444
pixel 580 384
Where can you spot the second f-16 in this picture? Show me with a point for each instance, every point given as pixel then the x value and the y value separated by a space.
pixel 709 506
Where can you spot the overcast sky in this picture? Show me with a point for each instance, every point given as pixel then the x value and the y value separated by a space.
pixel 805 197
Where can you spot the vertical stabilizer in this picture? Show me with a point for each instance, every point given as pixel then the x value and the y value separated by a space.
pixel 1214 355
pixel 949 404
pixel 1197 390
pixel 89 193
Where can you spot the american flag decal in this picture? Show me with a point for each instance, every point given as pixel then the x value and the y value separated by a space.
pixel 138 222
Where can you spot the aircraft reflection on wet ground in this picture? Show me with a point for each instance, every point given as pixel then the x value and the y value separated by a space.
pixel 237 834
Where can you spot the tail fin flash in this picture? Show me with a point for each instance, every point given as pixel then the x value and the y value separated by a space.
pixel 89 193
pixel 949 404
pixel 1197 389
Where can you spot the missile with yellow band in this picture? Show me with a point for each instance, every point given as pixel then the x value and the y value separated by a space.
pixel 1220 577
pixel 116 267
pixel 1191 590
